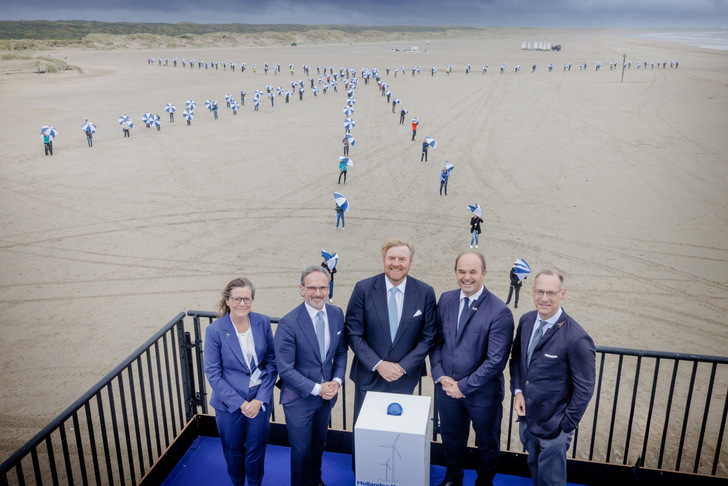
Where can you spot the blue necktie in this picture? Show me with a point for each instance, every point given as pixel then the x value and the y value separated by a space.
pixel 534 342
pixel 464 313
pixel 393 312
pixel 320 333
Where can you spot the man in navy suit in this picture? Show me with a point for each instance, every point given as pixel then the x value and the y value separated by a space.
pixel 553 367
pixel 391 326
pixel 475 331
pixel 311 359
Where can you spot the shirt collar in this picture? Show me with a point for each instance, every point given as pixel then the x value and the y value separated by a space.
pixel 400 287
pixel 313 311
pixel 551 320
pixel 475 296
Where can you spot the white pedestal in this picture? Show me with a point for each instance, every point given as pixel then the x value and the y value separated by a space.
pixel 393 450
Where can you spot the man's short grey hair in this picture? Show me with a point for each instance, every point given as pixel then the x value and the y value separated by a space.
pixel 550 272
pixel 313 268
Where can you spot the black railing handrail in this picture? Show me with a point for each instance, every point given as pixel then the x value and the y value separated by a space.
pixel 663 354
pixel 86 397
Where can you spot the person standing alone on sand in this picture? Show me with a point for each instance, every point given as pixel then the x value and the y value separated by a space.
pixel 345 141
pixel 475 229
pixel 425 146
pixel 47 144
pixel 415 122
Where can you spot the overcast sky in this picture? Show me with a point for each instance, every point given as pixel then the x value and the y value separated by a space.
pixel 538 13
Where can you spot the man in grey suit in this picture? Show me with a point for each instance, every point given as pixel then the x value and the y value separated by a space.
pixel 310 349
pixel 391 326
pixel 553 368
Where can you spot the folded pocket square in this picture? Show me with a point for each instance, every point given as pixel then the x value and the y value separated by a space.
pixel 550 356
pixel 418 313
pixel 338 333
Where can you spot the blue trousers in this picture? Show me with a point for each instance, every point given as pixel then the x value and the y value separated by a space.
pixel 307 421
pixel 243 444
pixel 546 457
pixel 340 216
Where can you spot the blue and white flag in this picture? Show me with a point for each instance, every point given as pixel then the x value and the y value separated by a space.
pixel 448 167
pixel 350 137
pixel 331 258
pixel 522 268
pixel 347 161
pixel 476 210
pixel 341 201
pixel 431 142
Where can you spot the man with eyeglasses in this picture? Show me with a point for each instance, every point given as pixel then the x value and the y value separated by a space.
pixel 311 358
pixel 553 367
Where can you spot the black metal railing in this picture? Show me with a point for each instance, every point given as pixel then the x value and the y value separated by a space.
pixel 650 410
pixel 116 431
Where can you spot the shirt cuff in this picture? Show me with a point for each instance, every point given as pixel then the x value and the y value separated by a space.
pixel 316 390
pixel 337 380
pixel 375 366
pixel 517 391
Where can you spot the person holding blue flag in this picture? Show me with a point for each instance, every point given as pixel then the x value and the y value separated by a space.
pixel 445 176
pixel 516 284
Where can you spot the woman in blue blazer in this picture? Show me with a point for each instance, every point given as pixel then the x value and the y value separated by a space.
pixel 240 367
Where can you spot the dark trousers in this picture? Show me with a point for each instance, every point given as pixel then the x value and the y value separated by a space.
pixel 343 172
pixel 455 417
pixel 423 156
pixel 243 444
pixel 48 148
pixel 443 184
pixel 546 457
pixel 510 292
pixel 307 421
pixel 414 132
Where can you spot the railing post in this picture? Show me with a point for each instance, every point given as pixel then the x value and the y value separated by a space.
pixel 188 382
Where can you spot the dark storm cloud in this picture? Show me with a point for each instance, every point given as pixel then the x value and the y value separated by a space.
pixel 552 13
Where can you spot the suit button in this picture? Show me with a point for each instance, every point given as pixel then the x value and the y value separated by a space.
pixel 527 382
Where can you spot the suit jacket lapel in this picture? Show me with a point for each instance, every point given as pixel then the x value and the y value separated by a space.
pixel 231 338
pixel 304 320
pixel 549 334
pixel 333 336
pixel 470 312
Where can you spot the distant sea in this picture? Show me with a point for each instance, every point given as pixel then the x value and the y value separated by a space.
pixel 707 39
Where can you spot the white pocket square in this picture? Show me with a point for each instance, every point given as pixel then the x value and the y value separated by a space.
pixel 418 313
pixel 550 356
pixel 338 333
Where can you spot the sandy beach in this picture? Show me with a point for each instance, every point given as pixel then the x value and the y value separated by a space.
pixel 622 186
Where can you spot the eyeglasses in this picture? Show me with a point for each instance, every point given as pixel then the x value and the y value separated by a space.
pixel 238 300
pixel 549 293
pixel 314 289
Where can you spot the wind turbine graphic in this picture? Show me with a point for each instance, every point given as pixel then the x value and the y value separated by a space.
pixel 386 469
pixel 393 458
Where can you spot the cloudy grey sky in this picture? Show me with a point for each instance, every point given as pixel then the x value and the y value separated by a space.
pixel 546 13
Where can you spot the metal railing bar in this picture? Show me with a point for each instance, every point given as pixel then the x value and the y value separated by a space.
pixel 596 407
pixel 79 449
pixel 200 362
pixel 104 439
pixel 145 413
pixel 177 380
pixel 706 412
pixel 631 409
pixel 614 406
pixel 66 457
pixel 170 395
pixel 135 416
pixel 650 408
pixel 721 431
pixel 115 428
pixel 153 398
pixel 36 466
pixel 92 442
pixel 668 409
pixel 688 402
pixel 160 379
pixel 127 434
pixel 51 460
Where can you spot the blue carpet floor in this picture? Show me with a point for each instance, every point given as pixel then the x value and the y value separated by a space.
pixel 203 464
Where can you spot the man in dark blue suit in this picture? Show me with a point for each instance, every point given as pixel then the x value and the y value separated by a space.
pixel 553 367
pixel 475 331
pixel 391 326
pixel 310 349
